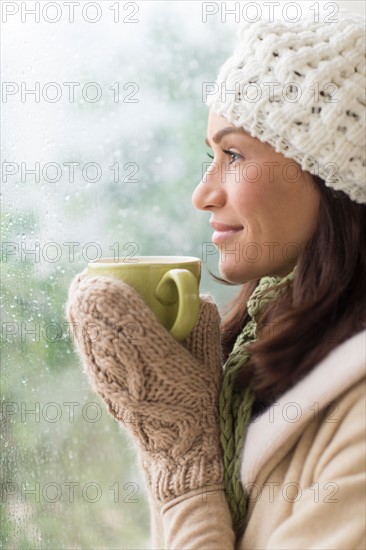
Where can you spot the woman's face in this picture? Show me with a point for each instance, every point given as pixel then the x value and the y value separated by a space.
pixel 263 207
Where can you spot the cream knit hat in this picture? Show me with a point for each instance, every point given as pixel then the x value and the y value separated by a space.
pixel 301 88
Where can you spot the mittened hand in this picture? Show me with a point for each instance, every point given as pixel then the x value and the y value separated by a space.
pixel 164 393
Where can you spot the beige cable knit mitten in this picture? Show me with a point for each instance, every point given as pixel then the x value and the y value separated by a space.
pixel 164 393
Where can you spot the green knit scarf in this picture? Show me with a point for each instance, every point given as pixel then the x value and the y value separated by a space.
pixel 235 405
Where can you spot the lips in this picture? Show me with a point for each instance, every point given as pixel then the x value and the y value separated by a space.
pixel 224 231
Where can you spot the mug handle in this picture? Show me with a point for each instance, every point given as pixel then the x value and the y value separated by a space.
pixel 186 284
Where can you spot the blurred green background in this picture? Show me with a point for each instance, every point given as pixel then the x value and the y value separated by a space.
pixel 70 477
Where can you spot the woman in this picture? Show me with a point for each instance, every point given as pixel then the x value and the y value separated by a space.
pixel 267 452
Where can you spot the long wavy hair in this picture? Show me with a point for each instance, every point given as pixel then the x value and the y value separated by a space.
pixel 324 306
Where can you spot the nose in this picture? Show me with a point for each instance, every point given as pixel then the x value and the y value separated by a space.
pixel 209 193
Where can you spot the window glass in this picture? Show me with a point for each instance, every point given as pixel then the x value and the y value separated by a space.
pixel 104 122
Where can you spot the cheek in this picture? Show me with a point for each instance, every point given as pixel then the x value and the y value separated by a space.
pixel 252 172
pixel 274 208
pixel 252 201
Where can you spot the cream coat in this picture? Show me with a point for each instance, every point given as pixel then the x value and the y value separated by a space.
pixel 303 465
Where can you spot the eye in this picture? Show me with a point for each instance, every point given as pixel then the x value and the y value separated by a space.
pixel 209 155
pixel 235 157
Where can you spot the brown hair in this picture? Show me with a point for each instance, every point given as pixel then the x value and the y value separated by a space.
pixel 324 306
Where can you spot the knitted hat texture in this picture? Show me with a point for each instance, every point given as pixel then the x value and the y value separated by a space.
pixel 301 88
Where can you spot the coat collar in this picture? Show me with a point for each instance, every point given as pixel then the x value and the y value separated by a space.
pixel 274 430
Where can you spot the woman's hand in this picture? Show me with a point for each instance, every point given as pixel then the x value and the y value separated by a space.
pixel 164 393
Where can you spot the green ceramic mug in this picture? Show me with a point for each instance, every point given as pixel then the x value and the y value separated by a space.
pixel 169 285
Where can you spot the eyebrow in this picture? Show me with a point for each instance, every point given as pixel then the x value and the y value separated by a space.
pixel 223 132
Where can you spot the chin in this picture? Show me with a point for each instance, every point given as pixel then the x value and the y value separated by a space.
pixel 235 273
pixel 240 273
